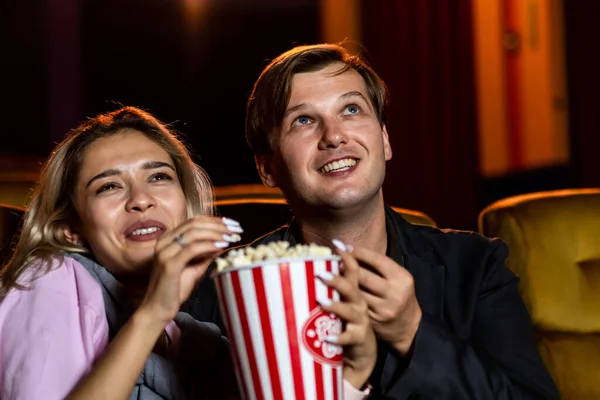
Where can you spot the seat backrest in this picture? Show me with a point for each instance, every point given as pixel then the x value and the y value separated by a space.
pixel 554 242
pixel 261 209
pixel 10 222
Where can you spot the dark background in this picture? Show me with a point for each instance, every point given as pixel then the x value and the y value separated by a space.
pixel 63 60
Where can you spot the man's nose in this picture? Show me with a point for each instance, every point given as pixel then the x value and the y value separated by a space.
pixel 333 135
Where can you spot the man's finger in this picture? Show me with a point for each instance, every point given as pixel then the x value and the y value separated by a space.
pixel 345 311
pixel 347 289
pixel 372 283
pixel 351 267
pixel 374 303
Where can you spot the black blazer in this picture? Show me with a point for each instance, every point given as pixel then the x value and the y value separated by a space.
pixel 475 340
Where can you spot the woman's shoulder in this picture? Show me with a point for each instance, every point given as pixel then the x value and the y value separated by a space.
pixel 56 281
pixel 52 330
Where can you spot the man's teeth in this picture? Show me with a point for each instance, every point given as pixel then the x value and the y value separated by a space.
pixel 145 231
pixel 340 165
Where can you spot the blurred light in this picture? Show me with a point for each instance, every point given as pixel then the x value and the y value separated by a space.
pixel 194 12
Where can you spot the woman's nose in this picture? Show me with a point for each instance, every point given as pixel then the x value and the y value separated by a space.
pixel 139 200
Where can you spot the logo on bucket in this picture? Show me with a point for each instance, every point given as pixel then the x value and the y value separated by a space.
pixel 318 326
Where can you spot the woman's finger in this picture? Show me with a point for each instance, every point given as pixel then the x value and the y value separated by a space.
pixel 175 258
pixel 220 225
pixel 205 234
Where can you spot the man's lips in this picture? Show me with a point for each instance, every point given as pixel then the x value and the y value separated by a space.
pixel 144 229
pixel 339 165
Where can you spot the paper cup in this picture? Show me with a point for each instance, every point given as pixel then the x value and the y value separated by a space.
pixel 276 329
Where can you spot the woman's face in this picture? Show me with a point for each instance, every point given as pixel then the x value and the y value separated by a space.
pixel 127 196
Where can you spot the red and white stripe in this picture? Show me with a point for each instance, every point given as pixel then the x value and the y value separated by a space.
pixel 265 308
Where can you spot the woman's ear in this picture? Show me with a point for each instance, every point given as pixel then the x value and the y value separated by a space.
pixel 72 236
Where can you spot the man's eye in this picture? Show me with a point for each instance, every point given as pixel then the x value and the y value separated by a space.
pixel 303 120
pixel 351 109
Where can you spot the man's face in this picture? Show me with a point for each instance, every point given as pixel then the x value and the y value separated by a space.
pixel 330 150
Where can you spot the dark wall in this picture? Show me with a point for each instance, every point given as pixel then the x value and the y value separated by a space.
pixel 61 64
pixel 23 77
pixel 145 53
pixel 424 52
pixel 582 20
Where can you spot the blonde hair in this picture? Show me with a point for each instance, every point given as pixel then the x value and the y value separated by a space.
pixel 52 207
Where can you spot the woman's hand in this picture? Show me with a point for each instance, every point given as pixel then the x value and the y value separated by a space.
pixel 358 339
pixel 181 258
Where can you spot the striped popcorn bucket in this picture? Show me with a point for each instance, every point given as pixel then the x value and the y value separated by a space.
pixel 276 329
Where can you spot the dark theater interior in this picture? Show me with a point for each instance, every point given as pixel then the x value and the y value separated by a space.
pixel 492 118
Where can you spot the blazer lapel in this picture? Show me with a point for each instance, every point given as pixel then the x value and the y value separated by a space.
pixel 415 254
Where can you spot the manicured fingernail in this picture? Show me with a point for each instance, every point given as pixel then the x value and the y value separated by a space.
pixel 229 221
pixel 325 302
pixel 339 244
pixel 325 275
pixel 349 248
pixel 221 245
pixel 232 238
pixel 331 339
pixel 236 229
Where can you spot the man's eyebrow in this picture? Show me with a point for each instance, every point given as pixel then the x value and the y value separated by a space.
pixel 354 93
pixel 114 172
pixel 297 107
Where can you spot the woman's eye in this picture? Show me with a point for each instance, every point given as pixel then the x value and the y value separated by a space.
pixel 302 120
pixel 351 109
pixel 161 176
pixel 106 187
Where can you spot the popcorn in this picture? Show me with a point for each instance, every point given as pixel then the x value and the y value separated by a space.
pixel 271 251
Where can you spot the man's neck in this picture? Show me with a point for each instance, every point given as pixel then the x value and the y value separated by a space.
pixel 363 226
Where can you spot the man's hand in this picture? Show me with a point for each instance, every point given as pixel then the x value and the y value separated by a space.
pixel 358 338
pixel 389 291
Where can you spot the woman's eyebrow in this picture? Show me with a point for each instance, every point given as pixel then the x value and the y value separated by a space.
pixel 145 165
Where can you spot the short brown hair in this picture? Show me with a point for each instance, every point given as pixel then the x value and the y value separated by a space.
pixel 272 90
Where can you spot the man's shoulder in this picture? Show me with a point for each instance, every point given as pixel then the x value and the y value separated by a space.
pixel 454 243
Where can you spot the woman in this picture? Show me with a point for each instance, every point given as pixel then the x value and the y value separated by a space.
pixel 118 233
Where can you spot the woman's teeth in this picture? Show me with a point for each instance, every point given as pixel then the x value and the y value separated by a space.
pixel 145 231
pixel 340 165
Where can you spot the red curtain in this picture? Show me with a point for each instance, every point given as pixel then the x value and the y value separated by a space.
pixel 423 50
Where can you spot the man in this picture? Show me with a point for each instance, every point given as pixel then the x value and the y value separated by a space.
pixel 449 320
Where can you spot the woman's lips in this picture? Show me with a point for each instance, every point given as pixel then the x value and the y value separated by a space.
pixel 142 231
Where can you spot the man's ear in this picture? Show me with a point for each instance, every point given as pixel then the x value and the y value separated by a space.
pixel 264 165
pixel 72 236
pixel 387 149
